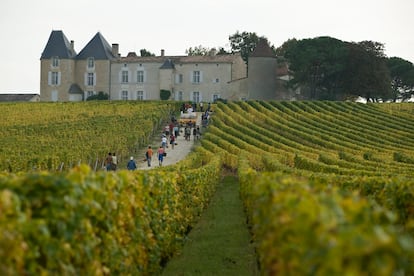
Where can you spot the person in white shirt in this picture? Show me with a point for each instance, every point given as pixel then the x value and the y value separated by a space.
pixel 164 142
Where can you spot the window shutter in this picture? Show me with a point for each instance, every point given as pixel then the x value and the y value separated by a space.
pixel 201 76
pixel 59 78
pixel 85 79
pixel 49 78
pixel 94 79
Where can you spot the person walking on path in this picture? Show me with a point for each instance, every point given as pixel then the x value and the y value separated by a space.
pixel 148 155
pixel 164 142
pixel 172 141
pixel 176 131
pixel 132 166
pixel 108 162
pixel 160 153
pixel 114 161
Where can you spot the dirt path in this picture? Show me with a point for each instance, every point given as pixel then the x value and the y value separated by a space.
pixel 220 242
pixel 179 152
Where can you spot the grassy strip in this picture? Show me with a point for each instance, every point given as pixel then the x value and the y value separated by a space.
pixel 220 243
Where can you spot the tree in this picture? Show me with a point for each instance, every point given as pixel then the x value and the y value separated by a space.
pixel 243 43
pixel 145 53
pixel 402 78
pixel 199 51
pixel 331 69
pixel 222 51
pixel 367 74
pixel 317 65
pixel 286 46
pixel 165 94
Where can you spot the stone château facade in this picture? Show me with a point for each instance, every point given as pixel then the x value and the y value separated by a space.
pixel 98 67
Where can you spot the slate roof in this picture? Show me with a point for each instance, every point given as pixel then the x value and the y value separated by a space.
pixel 181 59
pixel 168 64
pixel 98 48
pixel 58 45
pixel 262 49
pixel 75 89
pixel 17 97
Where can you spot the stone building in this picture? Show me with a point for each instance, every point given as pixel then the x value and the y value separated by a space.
pixel 99 67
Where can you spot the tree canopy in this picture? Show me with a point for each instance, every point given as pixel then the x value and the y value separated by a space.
pixel 402 78
pixel 331 69
pixel 327 68
pixel 145 53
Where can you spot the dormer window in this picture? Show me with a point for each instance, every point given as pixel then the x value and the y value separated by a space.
pixel 91 62
pixel 55 61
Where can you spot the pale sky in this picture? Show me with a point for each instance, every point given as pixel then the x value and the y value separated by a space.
pixel 25 26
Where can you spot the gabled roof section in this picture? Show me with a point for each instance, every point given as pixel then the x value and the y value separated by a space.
pixel 58 45
pixel 262 49
pixel 75 89
pixel 168 64
pixel 97 48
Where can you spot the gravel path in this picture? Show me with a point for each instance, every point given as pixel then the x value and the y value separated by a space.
pixel 180 151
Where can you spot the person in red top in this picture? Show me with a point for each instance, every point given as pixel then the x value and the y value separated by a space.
pixel 148 155
pixel 160 153
pixel 172 141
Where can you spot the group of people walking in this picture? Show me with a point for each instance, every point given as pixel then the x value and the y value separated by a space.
pixel 111 162
pixel 169 137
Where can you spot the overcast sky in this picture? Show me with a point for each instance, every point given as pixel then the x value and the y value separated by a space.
pixel 25 26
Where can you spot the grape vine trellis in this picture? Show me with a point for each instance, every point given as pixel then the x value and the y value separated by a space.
pixel 50 136
pixel 327 188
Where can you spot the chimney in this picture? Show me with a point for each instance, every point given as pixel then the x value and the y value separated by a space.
pixel 72 45
pixel 162 52
pixel 115 50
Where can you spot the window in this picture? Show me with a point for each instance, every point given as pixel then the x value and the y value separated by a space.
pixel 196 96
pixel 140 76
pixel 179 78
pixel 54 78
pixel 216 97
pixel 196 77
pixel 90 81
pixel 124 77
pixel 91 62
pixel 179 96
pixel 55 61
pixel 124 95
pixel 217 80
pixel 140 95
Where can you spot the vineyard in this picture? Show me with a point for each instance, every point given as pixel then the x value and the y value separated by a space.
pixel 327 187
pixel 58 136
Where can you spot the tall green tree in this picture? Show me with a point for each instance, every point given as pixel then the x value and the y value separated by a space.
pixel 402 78
pixel 145 53
pixel 205 51
pixel 367 74
pixel 331 69
pixel 198 51
pixel 317 65
pixel 243 43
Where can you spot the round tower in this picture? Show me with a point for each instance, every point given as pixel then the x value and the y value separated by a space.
pixel 262 72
